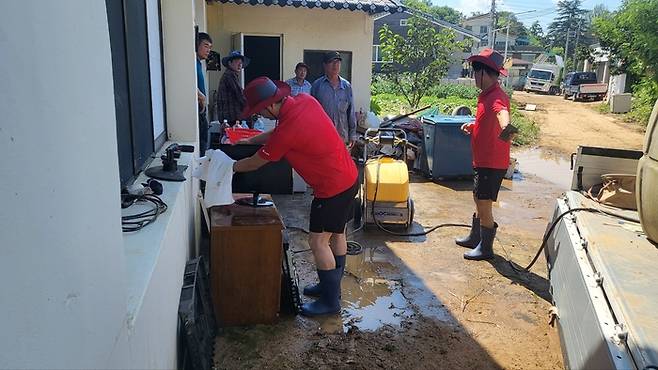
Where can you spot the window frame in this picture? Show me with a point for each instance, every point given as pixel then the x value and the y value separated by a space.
pixel 131 65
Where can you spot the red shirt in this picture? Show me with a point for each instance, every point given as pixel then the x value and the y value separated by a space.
pixel 488 150
pixel 307 139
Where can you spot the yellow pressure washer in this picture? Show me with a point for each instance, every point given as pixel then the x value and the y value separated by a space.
pixel 384 198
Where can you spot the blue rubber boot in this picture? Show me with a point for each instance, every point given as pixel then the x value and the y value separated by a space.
pixel 484 250
pixel 473 238
pixel 313 290
pixel 328 303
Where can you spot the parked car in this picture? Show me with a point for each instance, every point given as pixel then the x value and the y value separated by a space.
pixel 582 86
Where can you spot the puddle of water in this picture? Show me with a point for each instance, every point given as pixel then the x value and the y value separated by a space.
pixel 544 165
pixel 369 300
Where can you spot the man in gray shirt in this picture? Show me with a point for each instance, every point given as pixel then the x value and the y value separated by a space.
pixel 335 95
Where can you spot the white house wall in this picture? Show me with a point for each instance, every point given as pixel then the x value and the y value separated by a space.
pixel 61 253
pixel 67 286
pixel 302 29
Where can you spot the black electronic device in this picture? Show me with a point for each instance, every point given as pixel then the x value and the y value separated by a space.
pixel 170 170
pixel 507 132
pixel 272 178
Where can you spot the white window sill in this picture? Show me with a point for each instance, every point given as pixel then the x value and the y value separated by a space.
pixel 143 248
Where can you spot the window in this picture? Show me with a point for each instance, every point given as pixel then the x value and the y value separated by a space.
pixel 470 28
pixel 313 58
pixel 404 22
pixel 377 54
pixel 483 30
pixel 138 83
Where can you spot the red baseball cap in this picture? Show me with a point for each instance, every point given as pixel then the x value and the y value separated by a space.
pixel 262 92
pixel 490 58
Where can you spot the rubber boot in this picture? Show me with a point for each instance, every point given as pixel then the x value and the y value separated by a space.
pixel 484 250
pixel 328 303
pixel 473 238
pixel 313 290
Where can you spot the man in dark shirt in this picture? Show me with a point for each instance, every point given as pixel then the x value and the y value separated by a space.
pixel 230 96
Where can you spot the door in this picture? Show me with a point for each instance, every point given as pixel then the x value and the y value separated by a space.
pixel 237 43
pixel 265 55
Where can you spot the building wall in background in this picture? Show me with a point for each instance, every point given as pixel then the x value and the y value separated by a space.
pixel 301 29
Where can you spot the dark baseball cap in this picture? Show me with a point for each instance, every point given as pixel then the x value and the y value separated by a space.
pixel 301 64
pixel 331 55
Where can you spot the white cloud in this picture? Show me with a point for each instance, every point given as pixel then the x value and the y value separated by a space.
pixel 467 7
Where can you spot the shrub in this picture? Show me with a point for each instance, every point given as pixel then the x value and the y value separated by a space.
pixel 453 90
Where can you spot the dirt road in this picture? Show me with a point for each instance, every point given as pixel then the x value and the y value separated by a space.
pixel 566 124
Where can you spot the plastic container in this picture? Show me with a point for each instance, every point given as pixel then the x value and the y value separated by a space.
pixel 393 178
pixel 647 180
pixel 446 149
pixel 236 134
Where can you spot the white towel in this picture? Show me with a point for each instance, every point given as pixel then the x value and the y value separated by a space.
pixel 216 168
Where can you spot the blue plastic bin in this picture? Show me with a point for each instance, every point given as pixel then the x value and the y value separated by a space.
pixel 446 149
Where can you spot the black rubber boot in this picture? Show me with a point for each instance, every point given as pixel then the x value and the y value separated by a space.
pixel 313 290
pixel 473 238
pixel 484 250
pixel 328 303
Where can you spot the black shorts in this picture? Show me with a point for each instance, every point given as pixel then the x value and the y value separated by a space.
pixel 331 214
pixel 486 183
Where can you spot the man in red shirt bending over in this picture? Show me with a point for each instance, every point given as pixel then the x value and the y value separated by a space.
pixel 490 151
pixel 306 137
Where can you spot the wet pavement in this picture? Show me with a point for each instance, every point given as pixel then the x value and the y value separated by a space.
pixel 544 164
pixel 414 302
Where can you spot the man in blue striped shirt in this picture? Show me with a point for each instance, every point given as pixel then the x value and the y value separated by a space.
pixel 298 84
pixel 335 95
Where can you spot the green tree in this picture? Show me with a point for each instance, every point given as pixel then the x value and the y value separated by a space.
pixel 419 60
pixel 447 14
pixel 444 13
pixel 536 30
pixel 631 36
pixel 570 20
pixel 516 27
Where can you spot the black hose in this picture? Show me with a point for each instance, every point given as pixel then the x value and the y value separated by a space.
pixel 557 220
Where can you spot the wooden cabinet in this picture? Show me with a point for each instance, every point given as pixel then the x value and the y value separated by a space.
pixel 245 264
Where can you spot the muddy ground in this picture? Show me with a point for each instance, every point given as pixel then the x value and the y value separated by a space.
pixel 566 124
pixel 415 303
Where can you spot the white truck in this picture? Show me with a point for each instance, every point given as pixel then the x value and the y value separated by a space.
pixel 542 78
pixel 602 262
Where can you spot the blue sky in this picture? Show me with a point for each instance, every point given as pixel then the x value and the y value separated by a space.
pixel 544 9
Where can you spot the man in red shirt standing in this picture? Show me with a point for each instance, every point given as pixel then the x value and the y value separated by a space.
pixel 306 137
pixel 491 152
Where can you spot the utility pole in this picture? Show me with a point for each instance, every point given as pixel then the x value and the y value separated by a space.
pixel 566 51
pixel 575 49
pixel 505 57
pixel 492 24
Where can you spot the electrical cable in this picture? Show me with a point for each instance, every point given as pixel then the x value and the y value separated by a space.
pixel 353 247
pixel 136 222
pixel 555 223
pixel 381 227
